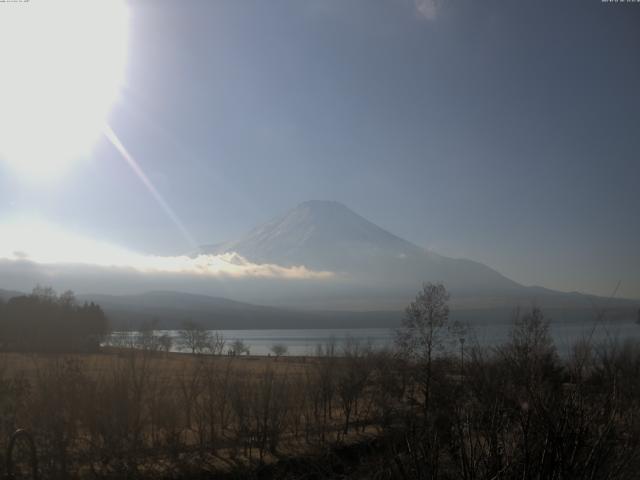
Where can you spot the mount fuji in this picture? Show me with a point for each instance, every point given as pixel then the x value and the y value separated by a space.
pixel 328 236
pixel 375 269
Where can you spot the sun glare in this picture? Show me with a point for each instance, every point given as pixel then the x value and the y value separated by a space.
pixel 62 66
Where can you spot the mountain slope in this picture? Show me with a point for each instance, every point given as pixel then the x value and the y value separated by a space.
pixel 170 309
pixel 324 235
pixel 320 235
pixel 378 270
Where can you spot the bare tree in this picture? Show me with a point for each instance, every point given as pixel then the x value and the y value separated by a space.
pixel 238 347
pixel 67 299
pixel 165 342
pixel 44 293
pixel 423 331
pixel 146 338
pixel 194 337
pixel 279 349
pixel 216 344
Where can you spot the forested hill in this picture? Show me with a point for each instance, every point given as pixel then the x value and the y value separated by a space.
pixel 44 321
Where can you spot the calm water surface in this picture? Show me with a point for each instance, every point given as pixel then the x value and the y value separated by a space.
pixel 305 342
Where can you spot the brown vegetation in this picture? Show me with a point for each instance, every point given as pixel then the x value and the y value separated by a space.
pixel 514 412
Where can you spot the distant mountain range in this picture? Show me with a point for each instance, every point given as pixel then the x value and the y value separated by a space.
pixel 7 294
pixel 171 309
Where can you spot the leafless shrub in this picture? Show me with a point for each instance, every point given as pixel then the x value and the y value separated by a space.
pixel 212 408
pixel 269 408
pixel 353 378
pixel 388 386
pixel 321 388
pixel 58 395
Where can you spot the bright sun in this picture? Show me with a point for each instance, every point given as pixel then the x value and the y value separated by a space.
pixel 62 67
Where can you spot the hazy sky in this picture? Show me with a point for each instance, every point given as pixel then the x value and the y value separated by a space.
pixel 503 131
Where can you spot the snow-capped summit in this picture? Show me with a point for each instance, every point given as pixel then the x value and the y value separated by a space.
pixel 320 235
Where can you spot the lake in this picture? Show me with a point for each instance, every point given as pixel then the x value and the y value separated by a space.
pixel 305 342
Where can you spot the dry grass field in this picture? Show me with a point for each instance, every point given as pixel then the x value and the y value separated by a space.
pixel 148 414
pixel 171 365
pixel 517 411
